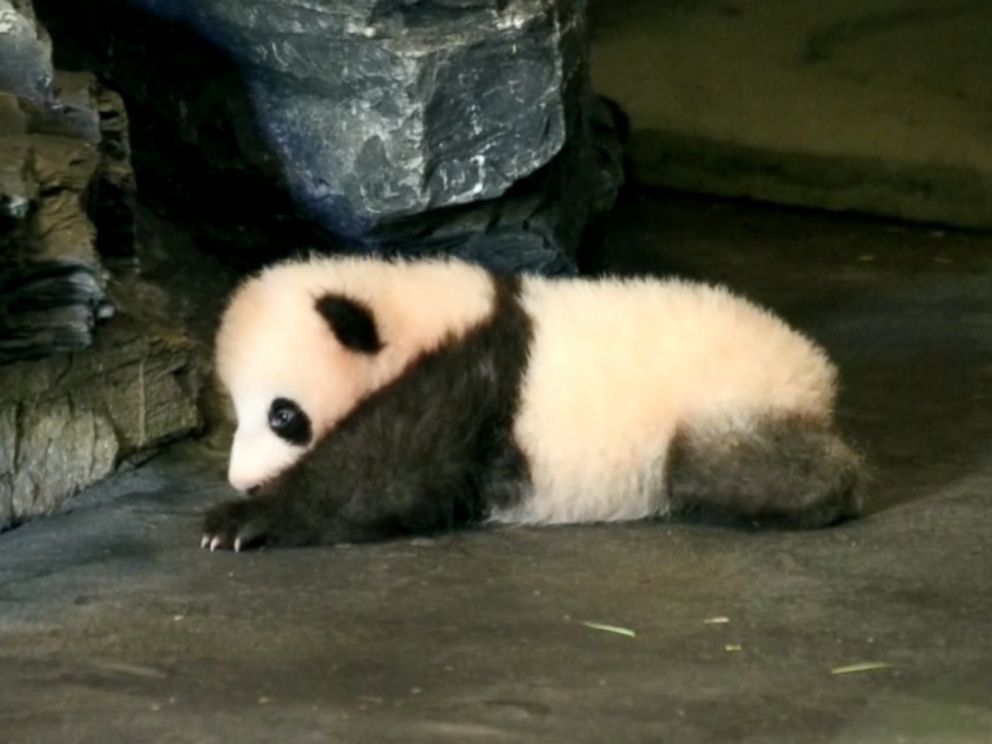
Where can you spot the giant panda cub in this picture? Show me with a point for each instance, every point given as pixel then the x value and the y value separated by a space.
pixel 385 397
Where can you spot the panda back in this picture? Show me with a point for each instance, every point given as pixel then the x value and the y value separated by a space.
pixel 615 367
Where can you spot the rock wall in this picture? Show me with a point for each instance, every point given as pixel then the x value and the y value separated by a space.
pixel 446 125
pixel 64 165
pixel 77 398
pixel 70 420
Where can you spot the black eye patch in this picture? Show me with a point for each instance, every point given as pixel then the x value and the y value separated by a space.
pixel 288 421
pixel 351 321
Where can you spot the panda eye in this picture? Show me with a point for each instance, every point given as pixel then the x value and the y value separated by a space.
pixel 288 421
pixel 282 418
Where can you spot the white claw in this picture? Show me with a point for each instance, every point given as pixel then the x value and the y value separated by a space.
pixel 214 544
pixel 204 541
pixel 237 545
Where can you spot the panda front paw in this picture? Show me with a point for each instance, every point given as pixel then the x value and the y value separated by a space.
pixel 237 525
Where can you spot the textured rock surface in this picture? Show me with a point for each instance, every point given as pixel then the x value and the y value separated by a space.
pixel 25 51
pixel 64 171
pixel 48 307
pixel 371 113
pixel 540 224
pixel 68 421
pixel 52 286
pixel 66 208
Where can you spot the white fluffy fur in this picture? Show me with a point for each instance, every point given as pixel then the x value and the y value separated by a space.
pixel 273 343
pixel 617 365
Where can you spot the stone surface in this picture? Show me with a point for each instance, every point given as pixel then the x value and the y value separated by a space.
pixel 115 200
pixel 67 422
pixel 48 307
pixel 539 225
pixel 114 625
pixel 70 419
pixel 64 170
pixel 388 122
pixel 54 285
pixel 25 51
pixel 879 107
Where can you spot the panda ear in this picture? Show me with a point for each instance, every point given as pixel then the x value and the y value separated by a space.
pixel 351 321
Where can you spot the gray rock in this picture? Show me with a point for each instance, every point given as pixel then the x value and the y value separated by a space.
pixel 386 109
pixel 64 170
pixel 115 200
pixel 68 421
pixel 372 114
pixel 25 51
pixel 52 286
pixel 48 307
pixel 538 225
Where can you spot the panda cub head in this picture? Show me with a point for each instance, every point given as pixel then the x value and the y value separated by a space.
pixel 295 358
pixel 304 342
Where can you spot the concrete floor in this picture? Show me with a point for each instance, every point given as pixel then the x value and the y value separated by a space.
pixel 115 626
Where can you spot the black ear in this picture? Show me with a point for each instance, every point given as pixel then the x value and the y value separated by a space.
pixel 351 322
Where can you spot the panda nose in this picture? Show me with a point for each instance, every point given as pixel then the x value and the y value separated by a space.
pixel 243 482
pixel 252 490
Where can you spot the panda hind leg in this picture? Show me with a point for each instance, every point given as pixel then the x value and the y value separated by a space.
pixel 768 470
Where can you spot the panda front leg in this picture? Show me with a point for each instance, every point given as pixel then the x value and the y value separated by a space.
pixel 252 522
pixel 385 473
pixel 308 509
pixel 426 454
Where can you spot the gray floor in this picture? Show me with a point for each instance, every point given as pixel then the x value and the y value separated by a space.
pixel 114 626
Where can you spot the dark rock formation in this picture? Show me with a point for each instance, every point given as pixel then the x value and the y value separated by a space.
pixel 70 420
pixel 67 215
pixel 458 125
pixel 540 223
pixel 25 51
pixel 48 307
pixel 59 172
pixel 64 160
